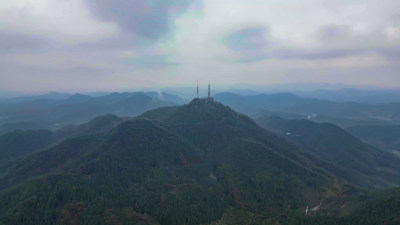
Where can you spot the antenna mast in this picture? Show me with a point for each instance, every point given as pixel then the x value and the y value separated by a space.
pixel 209 92
pixel 197 88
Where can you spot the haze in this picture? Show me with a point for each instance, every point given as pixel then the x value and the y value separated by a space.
pixel 100 45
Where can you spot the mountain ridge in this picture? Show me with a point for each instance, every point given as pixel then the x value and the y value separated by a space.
pixel 187 167
pixel 336 145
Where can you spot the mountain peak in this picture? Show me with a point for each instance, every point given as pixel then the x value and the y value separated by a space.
pixel 78 97
pixel 207 106
pixel 202 101
pixel 198 110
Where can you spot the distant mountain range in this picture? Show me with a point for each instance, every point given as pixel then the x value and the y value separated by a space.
pixel 292 106
pixel 54 111
pixel 50 95
pixel 377 96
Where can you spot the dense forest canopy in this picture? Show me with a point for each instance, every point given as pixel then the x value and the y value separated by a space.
pixel 201 163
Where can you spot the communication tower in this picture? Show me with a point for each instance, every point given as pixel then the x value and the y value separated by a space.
pixel 209 91
pixel 197 88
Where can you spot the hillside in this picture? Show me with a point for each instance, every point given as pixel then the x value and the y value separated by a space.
pixel 20 143
pixel 377 207
pixel 366 165
pixel 191 165
pixel 384 137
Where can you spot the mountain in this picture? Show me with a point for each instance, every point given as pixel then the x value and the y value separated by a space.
pixel 20 143
pixel 78 98
pixel 255 105
pixel 50 95
pixel 380 207
pixel 353 95
pixel 163 96
pixel 344 114
pixel 384 137
pixel 99 124
pixel 76 109
pixel 192 164
pixel 366 165
pixel 9 127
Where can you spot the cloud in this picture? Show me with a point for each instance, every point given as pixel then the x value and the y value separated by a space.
pixel 65 21
pixel 334 32
pixel 113 44
pixel 256 44
pixel 12 42
pixel 145 18
pixel 251 43
pixel 248 39
pixel 155 61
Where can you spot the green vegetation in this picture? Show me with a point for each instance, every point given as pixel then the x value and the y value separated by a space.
pixel 201 163
pixel 362 164
pixel 20 143
pixel 384 137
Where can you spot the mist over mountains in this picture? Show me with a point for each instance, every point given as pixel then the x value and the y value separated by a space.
pixel 52 111
pixel 353 95
pixel 295 119
pixel 151 158
pixel 291 106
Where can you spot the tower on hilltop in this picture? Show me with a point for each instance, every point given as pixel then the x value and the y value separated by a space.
pixel 197 88
pixel 209 91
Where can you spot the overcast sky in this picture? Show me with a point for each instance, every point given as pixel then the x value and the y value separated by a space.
pixel 104 45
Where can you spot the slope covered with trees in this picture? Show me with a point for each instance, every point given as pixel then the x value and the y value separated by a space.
pixel 20 143
pixel 190 166
pixel 385 137
pixel 201 163
pixel 366 165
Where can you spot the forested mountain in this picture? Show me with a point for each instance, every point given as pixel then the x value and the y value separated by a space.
pixel 55 113
pixel 201 163
pixel 384 137
pixel 13 126
pixel 344 114
pixel 366 165
pixel 199 112
pixel 20 143
pixel 99 124
pixel 380 207
pixel 191 166
pixel 17 144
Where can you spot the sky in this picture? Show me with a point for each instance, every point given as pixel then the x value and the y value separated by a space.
pixel 104 45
